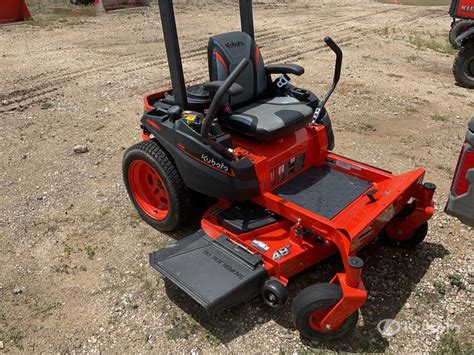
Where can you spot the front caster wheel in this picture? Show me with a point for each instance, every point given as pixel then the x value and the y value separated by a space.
pixel 155 186
pixel 310 307
pixel 274 293
pixel 415 238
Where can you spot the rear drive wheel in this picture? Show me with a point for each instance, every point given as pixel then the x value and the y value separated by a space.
pixel 415 238
pixel 155 186
pixel 463 66
pixel 457 29
pixel 310 307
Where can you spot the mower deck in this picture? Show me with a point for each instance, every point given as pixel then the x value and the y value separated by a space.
pixel 345 204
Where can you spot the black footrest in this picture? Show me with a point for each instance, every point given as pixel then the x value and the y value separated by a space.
pixel 217 273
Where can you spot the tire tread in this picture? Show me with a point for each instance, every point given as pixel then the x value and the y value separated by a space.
pixel 177 190
pixel 458 66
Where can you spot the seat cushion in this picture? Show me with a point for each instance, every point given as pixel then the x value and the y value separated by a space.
pixel 269 119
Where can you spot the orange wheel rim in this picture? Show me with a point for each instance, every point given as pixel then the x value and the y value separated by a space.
pixel 148 189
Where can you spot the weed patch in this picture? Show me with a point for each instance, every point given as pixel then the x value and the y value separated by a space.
pixel 421 43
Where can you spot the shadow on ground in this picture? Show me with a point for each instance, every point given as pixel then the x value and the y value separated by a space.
pixel 390 275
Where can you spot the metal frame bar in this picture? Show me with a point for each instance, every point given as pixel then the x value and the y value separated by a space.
pixel 170 35
pixel 246 17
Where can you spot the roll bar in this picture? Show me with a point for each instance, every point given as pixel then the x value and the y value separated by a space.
pixel 170 35
pixel 246 17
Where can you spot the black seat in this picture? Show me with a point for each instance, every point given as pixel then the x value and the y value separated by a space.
pixel 253 113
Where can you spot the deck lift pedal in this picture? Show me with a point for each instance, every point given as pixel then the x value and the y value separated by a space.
pixel 262 147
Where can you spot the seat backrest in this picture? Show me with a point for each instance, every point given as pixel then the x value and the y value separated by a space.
pixel 225 51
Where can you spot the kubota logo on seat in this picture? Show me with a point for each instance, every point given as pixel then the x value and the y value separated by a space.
pixel 235 44
pixel 213 163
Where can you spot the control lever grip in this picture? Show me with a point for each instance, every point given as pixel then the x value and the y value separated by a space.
pixel 317 117
pixel 335 48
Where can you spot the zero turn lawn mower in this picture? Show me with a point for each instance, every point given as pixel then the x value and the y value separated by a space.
pixel 461 36
pixel 285 202
pixel 462 12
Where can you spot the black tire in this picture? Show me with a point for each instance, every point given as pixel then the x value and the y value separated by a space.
pixel 316 297
pixel 180 198
pixel 274 293
pixel 463 66
pixel 416 238
pixel 458 28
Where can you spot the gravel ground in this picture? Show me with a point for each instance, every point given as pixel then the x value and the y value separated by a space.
pixel 74 275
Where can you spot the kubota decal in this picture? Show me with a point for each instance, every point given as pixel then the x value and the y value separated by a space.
pixel 468 8
pixel 210 162
pixel 234 44
pixel 215 164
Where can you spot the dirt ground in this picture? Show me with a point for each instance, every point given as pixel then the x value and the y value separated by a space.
pixel 74 274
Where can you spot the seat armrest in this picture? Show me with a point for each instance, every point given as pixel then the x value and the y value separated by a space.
pixel 284 69
pixel 234 90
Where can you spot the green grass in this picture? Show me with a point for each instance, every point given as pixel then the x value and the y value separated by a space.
pixel 412 110
pixel 45 309
pixel 105 211
pixel 134 220
pixel 412 58
pixel 67 250
pixel 176 333
pixel 446 169
pixel 62 268
pixel 149 290
pixel 182 329
pixel 451 344
pixel 421 43
pixel 439 118
pixel 211 338
pixel 45 105
pixel 13 335
pixel 132 306
pixel 90 252
pixel 440 287
pixel 455 281
pixel 112 318
pixel 51 13
pixel 367 127
pixel 387 31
